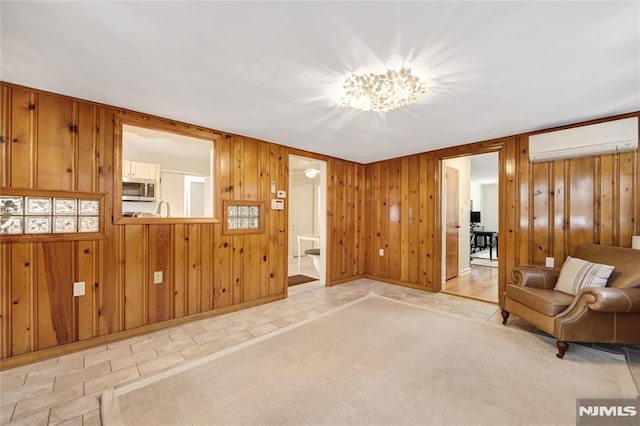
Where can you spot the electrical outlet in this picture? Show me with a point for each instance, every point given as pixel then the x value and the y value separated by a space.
pixel 78 289
pixel 157 277
pixel 381 252
pixel 549 262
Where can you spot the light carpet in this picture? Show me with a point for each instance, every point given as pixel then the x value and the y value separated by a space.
pixel 633 358
pixel 377 361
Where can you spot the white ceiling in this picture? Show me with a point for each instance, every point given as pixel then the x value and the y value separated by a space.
pixel 274 70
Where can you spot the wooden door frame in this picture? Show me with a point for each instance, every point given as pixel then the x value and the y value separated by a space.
pixel 463 151
pixel 447 211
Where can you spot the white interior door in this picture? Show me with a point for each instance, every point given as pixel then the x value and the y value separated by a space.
pixel 172 190
pixel 196 199
pixel 301 216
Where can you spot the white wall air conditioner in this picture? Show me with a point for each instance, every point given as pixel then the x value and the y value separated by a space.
pixel 594 139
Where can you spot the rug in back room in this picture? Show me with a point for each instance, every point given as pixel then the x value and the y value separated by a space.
pixel 481 258
pixel 299 279
pixel 377 361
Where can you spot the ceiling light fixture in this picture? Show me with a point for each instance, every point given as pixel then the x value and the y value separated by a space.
pixel 382 92
pixel 311 173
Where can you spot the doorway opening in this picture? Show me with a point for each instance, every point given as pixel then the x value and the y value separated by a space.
pixel 470 212
pixel 307 222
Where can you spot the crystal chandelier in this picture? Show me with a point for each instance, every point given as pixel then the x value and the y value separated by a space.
pixel 382 92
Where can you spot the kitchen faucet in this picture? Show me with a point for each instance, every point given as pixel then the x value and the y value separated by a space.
pixel 159 209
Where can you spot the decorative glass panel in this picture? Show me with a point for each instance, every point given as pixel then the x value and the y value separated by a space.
pixel 89 207
pixel 11 225
pixel 65 206
pixel 11 205
pixel 37 224
pixel 38 206
pixel 88 224
pixel 62 224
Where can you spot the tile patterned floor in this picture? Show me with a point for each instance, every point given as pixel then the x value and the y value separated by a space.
pixel 66 390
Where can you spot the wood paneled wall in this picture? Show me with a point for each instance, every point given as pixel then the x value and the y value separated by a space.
pixel 60 143
pixel 346 213
pixel 401 220
pixel 547 209
pixel 584 200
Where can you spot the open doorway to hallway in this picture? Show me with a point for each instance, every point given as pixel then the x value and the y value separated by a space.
pixel 470 218
pixel 307 221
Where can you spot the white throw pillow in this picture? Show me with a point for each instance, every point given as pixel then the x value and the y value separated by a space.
pixel 577 273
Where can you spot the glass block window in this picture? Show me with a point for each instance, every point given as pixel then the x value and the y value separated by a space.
pixel 33 215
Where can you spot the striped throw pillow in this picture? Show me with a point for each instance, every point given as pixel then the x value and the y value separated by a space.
pixel 577 274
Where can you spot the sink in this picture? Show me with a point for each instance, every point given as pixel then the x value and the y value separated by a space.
pixel 144 214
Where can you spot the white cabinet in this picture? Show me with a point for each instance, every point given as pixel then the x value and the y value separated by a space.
pixel 136 169
pixel 144 170
pixel 126 168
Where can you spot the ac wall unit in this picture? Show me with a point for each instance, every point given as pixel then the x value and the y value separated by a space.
pixel 594 139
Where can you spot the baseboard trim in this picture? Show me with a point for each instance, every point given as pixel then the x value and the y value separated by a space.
pixel 400 283
pixel 56 351
pixel 344 280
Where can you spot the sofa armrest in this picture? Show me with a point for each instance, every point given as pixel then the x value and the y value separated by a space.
pixel 607 299
pixel 533 276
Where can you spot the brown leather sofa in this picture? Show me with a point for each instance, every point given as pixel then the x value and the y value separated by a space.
pixel 608 314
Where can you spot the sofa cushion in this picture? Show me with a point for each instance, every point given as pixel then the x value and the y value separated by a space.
pixel 625 260
pixel 547 302
pixel 578 273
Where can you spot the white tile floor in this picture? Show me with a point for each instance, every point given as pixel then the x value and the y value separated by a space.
pixel 66 390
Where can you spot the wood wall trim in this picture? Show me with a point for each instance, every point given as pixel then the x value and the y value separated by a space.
pixel 345 280
pixel 398 282
pixel 137 119
pixel 161 124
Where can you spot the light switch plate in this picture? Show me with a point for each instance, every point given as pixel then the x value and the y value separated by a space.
pixel 78 288
pixel 549 262
pixel 282 194
pixel 157 277
pixel 381 252
pixel 273 186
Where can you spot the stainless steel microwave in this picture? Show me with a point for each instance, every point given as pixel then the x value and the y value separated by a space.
pixel 138 189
